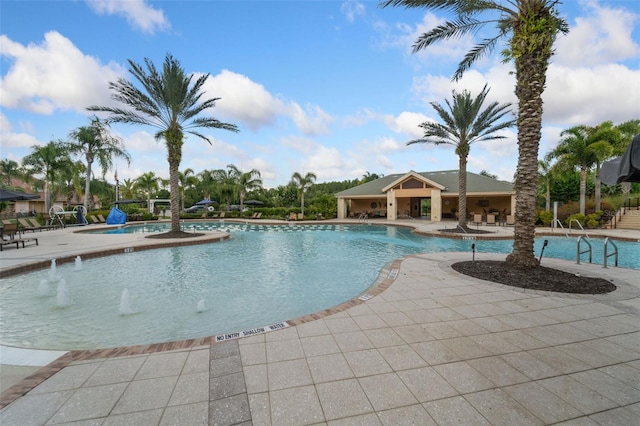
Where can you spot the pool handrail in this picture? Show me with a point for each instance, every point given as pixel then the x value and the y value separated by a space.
pixel 589 250
pixel 606 253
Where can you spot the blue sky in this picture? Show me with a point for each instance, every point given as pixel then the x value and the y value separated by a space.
pixel 329 87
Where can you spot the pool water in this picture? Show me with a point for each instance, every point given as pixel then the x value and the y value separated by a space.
pixel 264 275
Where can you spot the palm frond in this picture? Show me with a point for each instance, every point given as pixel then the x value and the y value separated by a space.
pixel 451 29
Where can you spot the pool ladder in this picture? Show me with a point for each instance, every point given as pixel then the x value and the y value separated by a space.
pixel 589 250
pixel 363 218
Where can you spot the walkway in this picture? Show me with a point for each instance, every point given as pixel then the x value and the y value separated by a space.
pixel 430 347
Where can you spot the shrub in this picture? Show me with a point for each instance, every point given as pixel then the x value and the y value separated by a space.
pixel 544 217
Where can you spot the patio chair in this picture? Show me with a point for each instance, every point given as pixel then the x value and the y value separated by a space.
pixel 300 216
pixel 477 219
pixel 491 219
pixel 26 226
pixel 510 220
pixel 94 219
pixel 102 219
pixel 258 215
pixel 37 225
pixel 10 230
pixel 221 215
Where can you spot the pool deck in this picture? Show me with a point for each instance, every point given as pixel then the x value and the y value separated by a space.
pixel 427 346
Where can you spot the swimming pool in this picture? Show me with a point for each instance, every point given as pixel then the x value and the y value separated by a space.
pixel 264 275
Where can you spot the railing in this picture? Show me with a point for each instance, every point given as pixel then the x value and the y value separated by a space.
pixel 607 254
pixel 363 218
pixel 579 226
pixel 557 221
pixel 588 250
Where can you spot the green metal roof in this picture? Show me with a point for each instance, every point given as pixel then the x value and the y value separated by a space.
pixel 449 179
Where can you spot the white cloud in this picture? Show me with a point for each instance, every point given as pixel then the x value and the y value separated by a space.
pixel 54 75
pixel 243 99
pixel 407 123
pixel 352 8
pixel 310 121
pixel 138 13
pixel 602 36
pixel 590 96
pixel 10 139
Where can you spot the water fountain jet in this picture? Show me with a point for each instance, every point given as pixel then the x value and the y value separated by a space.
pixel 78 263
pixel 43 288
pixel 125 305
pixel 63 294
pixel 202 306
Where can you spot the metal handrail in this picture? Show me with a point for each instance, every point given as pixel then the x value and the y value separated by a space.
pixel 579 225
pixel 559 223
pixel 607 254
pixel 589 250
pixel 363 218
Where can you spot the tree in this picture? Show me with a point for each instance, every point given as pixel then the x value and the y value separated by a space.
pixel 485 173
pixel 465 122
pixel 171 101
pixel 245 181
pixel 48 160
pixel 147 183
pixel 9 170
pixel 530 27
pixel 584 147
pixel 187 180
pixel 544 174
pixel 95 142
pixel 302 183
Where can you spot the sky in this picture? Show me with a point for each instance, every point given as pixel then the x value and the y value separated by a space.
pixel 329 87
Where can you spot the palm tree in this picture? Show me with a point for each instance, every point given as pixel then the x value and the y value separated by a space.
pixel 147 183
pixel 171 101
pixel 530 27
pixel 225 183
pixel 245 181
pixel 96 143
pixel 465 122
pixel 127 188
pixel 544 174
pixel 186 179
pixel 48 160
pixel 585 147
pixel 9 170
pixel 302 183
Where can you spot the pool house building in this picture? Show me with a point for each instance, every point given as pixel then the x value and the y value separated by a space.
pixel 427 195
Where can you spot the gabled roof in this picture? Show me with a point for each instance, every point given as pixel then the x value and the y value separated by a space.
pixel 415 175
pixel 447 179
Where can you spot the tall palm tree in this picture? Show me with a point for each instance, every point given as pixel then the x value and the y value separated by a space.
pixel 147 183
pixel 171 101
pixel 465 123
pixel 95 142
pixel 530 27
pixel 245 182
pixel 225 184
pixel 48 160
pixel 585 147
pixel 303 183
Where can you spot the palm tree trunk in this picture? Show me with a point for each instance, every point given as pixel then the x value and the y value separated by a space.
pixel 583 189
pixel 87 186
pixel 598 187
pixel 548 203
pixel 173 137
pixel 302 203
pixel 530 81
pixel 462 192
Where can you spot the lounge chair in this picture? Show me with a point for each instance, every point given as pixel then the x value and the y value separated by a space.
pixel 491 219
pixel 221 215
pixel 259 215
pixel 37 225
pixel 292 216
pixel 254 216
pixel 300 216
pixel 94 219
pixel 477 219
pixel 10 230
pixel 27 226
pixel 102 219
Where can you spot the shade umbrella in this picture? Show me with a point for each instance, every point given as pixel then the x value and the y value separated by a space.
pixel 8 195
pixel 625 168
pixel 253 203
pixel 204 202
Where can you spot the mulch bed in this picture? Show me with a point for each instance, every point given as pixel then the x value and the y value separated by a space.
pixel 170 234
pixel 540 278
